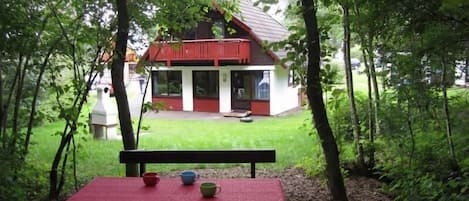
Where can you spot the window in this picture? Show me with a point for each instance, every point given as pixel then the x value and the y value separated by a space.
pixel 261 85
pixel 218 29
pixel 167 83
pixel 205 84
pixel 250 85
pixel 190 34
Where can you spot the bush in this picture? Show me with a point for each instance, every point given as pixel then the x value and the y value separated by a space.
pixel 413 151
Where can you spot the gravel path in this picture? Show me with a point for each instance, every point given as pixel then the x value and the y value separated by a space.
pixel 298 187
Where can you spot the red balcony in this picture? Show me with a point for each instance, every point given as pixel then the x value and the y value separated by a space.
pixel 211 50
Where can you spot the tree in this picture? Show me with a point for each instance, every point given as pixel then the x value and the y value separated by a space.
pixel 170 22
pixel 367 25
pixel 314 92
pixel 84 42
pixel 117 72
pixel 30 40
pixel 360 161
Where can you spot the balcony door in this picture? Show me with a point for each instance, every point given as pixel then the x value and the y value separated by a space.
pixel 241 90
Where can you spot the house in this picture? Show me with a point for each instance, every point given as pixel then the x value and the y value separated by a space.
pixel 462 73
pixel 226 72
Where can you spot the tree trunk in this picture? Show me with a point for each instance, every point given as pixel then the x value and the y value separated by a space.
pixel 466 74
pixel 54 189
pixel 314 92
pixel 366 38
pixel 411 132
pixel 35 96
pixel 16 127
pixel 449 135
pixel 371 112
pixel 1 101
pixel 374 81
pixel 348 72
pixel 117 73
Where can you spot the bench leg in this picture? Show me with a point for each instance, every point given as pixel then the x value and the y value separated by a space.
pixel 253 170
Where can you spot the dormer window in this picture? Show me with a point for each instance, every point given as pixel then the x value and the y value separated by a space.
pixel 218 29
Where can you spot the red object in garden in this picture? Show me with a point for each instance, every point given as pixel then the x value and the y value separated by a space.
pixel 132 188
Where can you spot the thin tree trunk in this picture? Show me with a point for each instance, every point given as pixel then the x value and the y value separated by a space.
pixel 373 102
pixel 449 135
pixel 141 112
pixel 67 136
pixel 374 82
pixel 314 91
pixel 411 132
pixel 117 73
pixel 2 112
pixel 35 95
pixel 371 111
pixel 6 106
pixel 466 78
pixel 143 98
pixel 348 72
pixel 54 189
pixel 15 135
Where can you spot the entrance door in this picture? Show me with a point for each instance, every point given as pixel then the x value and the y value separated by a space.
pixel 241 90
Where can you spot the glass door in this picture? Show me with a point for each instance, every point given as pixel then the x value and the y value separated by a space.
pixel 241 90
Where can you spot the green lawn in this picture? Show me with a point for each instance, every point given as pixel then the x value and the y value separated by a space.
pixel 98 157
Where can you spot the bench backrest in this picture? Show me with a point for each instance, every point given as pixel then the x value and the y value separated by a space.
pixel 198 156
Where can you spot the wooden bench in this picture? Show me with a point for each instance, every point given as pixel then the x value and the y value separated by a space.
pixel 251 156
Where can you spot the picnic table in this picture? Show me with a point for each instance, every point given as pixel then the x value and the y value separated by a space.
pixel 172 189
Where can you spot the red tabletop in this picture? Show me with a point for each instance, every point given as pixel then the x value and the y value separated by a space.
pixel 133 189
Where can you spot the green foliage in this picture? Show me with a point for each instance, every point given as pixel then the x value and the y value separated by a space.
pixel 313 165
pixel 356 52
pixel 10 188
pixel 422 170
pixel 295 44
pixel 331 75
pixel 159 106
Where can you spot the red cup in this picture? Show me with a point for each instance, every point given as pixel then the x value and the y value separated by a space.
pixel 150 178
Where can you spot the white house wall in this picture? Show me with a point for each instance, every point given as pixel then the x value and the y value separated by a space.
pixel 187 93
pixel 282 96
pixel 225 89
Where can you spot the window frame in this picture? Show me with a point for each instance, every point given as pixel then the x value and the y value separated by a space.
pixel 156 73
pixel 252 75
pixel 210 79
pixel 253 82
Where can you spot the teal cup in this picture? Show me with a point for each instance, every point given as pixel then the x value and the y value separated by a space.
pixel 188 177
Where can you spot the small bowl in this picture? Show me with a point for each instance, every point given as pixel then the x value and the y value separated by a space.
pixel 150 178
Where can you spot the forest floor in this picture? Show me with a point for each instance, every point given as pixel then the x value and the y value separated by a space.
pixel 298 187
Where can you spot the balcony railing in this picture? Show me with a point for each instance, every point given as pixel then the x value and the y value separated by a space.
pixel 215 50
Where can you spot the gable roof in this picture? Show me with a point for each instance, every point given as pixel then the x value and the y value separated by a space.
pixel 261 23
pixel 261 26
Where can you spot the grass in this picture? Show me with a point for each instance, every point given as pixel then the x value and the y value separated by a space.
pixel 100 158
